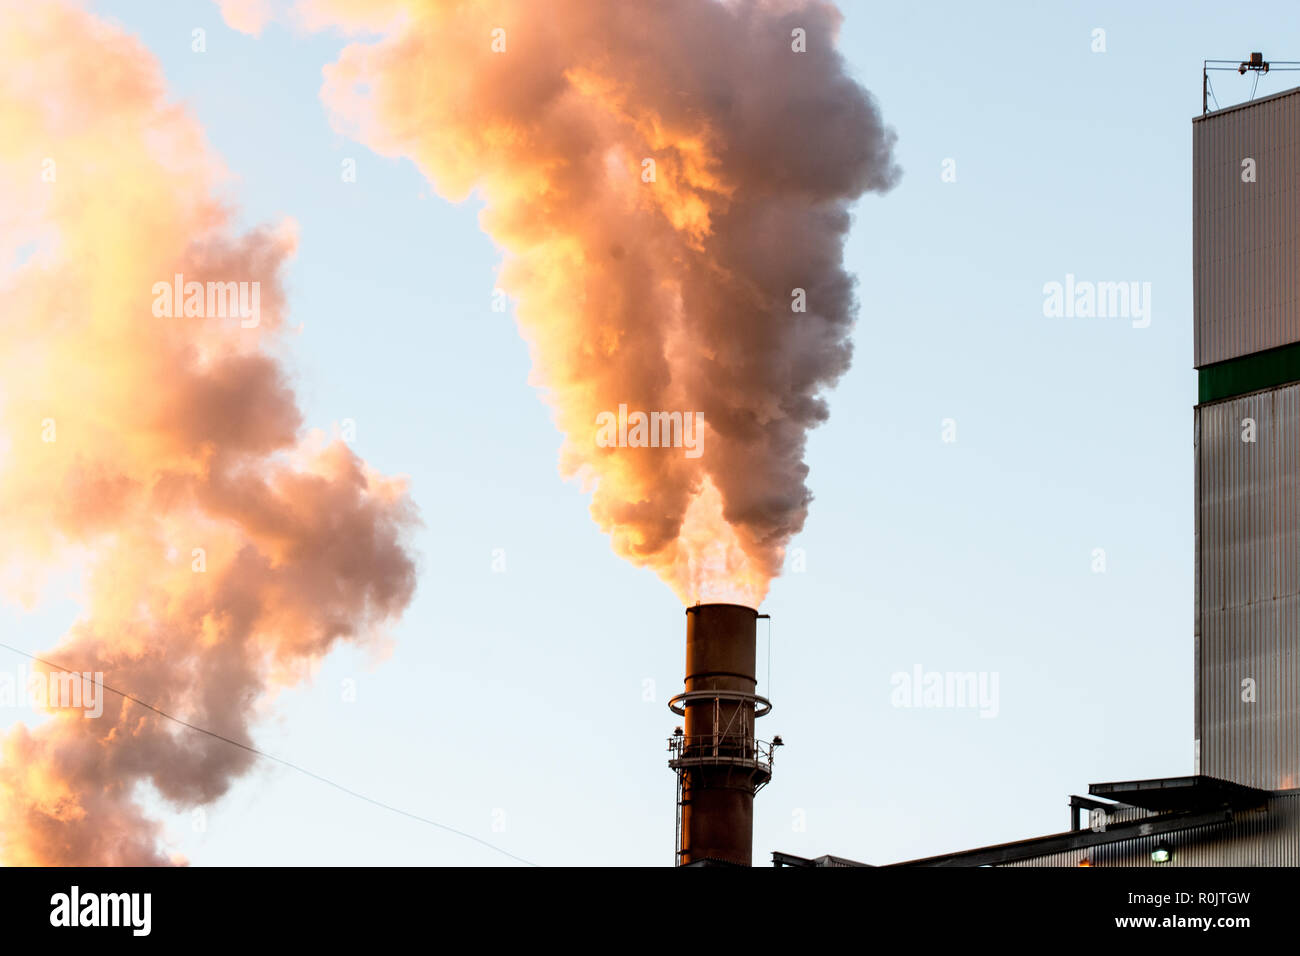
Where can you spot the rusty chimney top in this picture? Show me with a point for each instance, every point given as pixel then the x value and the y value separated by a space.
pixel 720 764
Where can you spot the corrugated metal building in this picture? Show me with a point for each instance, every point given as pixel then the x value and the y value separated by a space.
pixel 1246 214
pixel 1246 235
pixel 1268 836
pixel 1248 587
pixel 1242 805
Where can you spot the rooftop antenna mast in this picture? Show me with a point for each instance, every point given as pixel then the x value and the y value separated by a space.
pixel 1256 64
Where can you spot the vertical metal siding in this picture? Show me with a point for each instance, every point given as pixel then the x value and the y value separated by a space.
pixel 1196 599
pixel 1248 588
pixel 1246 236
pixel 1287 595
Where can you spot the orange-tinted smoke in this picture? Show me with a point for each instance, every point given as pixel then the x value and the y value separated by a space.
pixel 246 16
pixel 224 553
pixel 664 289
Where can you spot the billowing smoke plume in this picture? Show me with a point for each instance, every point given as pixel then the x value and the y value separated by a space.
pixel 670 181
pixel 156 444
pixel 246 16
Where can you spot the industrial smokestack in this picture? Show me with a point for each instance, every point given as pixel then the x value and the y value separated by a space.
pixel 720 764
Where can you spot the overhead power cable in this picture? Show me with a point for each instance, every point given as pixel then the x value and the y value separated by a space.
pixel 280 760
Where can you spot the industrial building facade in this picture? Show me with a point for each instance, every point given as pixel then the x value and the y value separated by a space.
pixel 1241 806
pixel 1247 315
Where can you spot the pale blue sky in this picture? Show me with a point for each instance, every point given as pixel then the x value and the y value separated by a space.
pixel 523 692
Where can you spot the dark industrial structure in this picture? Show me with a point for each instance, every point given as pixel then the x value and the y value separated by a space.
pixel 1241 805
pixel 720 764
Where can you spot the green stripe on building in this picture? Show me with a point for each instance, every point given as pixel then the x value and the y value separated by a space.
pixel 1250 373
